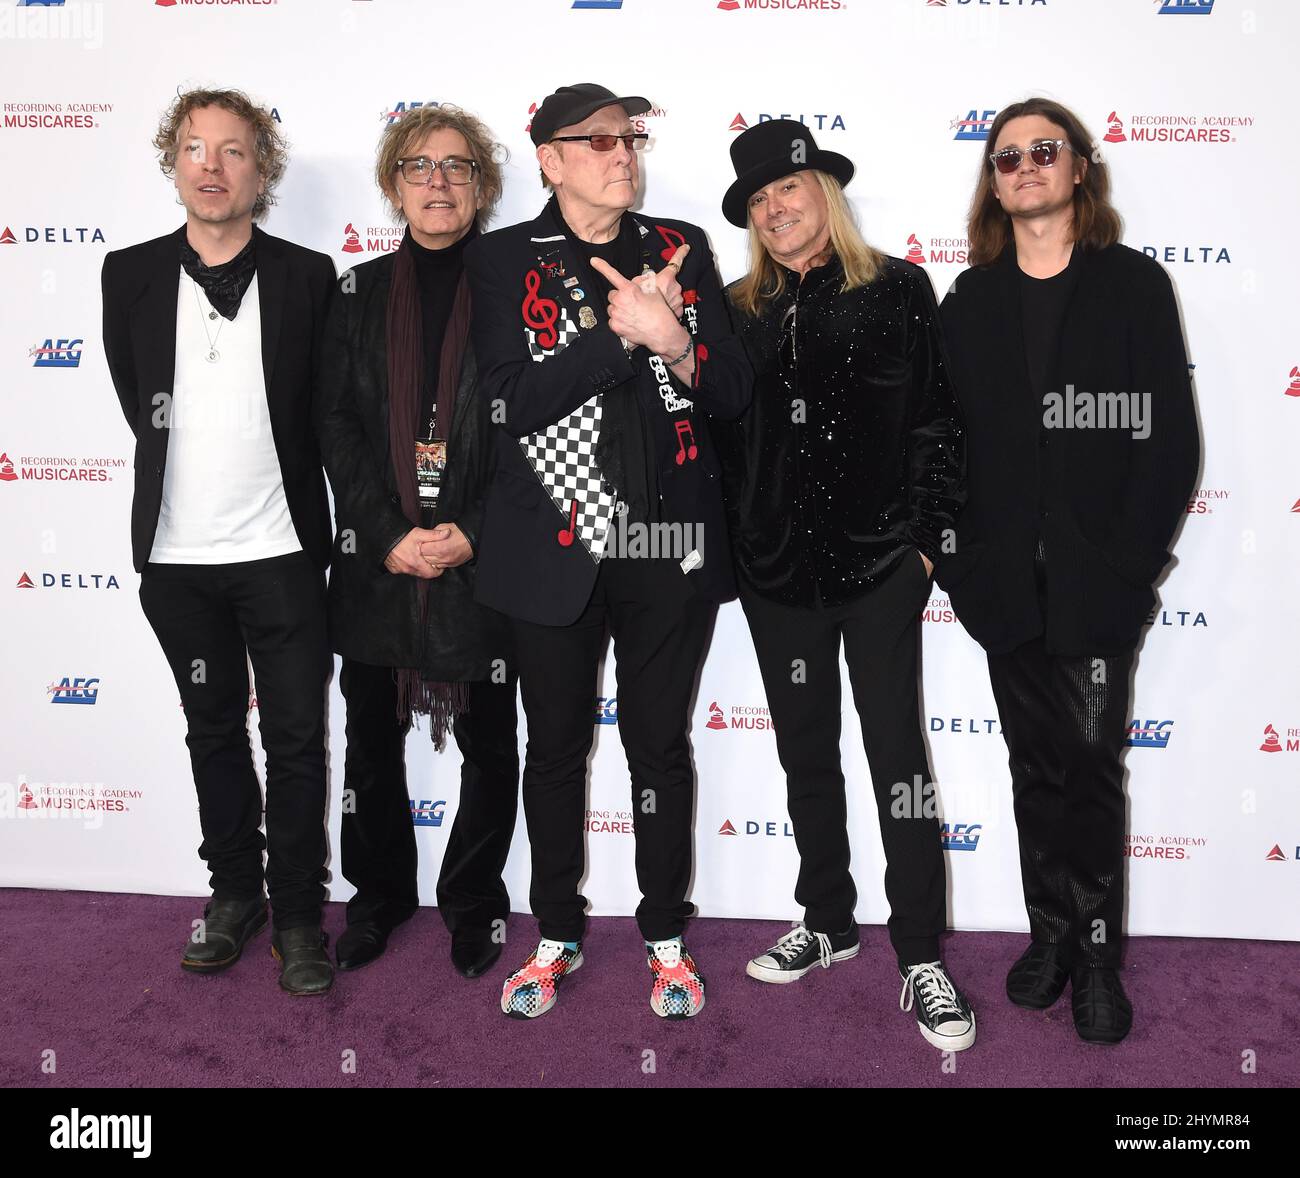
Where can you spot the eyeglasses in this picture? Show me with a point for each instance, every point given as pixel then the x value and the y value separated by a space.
pixel 1043 154
pixel 454 171
pixel 633 142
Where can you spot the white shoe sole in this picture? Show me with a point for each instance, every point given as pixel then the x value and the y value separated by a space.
pixel 950 1042
pixel 780 977
pixel 541 1010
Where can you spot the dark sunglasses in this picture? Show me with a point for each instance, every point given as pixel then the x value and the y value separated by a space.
pixel 1043 154
pixel 633 142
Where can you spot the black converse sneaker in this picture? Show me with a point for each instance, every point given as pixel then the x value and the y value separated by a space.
pixel 800 950
pixel 942 1012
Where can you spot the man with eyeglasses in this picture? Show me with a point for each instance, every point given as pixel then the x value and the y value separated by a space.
pixel 1068 359
pixel 212 335
pixel 405 437
pixel 603 342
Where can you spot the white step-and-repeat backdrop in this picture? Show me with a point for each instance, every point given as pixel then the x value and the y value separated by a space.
pixel 1192 104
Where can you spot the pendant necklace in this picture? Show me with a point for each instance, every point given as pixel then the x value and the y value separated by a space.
pixel 213 355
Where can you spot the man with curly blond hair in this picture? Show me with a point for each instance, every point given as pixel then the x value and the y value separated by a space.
pixel 212 336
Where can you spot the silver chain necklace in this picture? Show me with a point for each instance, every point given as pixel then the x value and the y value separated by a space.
pixel 213 355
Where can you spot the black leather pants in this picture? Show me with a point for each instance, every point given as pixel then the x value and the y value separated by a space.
pixel 1065 720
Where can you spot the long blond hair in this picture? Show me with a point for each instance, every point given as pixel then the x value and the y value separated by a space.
pixel 766 279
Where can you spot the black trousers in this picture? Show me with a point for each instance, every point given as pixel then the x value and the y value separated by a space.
pixel 660 629
pixel 881 636
pixel 210 621
pixel 378 837
pixel 1065 722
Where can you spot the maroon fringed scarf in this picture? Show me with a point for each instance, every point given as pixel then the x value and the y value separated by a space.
pixel 417 696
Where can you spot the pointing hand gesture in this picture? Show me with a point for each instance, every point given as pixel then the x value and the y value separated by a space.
pixel 640 309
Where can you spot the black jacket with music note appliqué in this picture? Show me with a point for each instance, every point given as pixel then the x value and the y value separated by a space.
pixel 521 277
pixel 852 451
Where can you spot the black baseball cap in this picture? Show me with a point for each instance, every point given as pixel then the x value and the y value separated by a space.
pixel 572 104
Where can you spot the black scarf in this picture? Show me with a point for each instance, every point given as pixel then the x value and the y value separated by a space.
pixel 224 284
pixel 625 448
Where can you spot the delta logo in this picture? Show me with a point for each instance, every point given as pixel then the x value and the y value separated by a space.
pixel 56 468
pixel 1175 128
pixel 939 611
pixel 937 251
pixel 57 353
pixel 768 829
pixel 1276 855
pixel 745 717
pixel 70 581
pixel 391 115
pixel 74 690
pixel 986 3
pixel 1204 254
pixel 53 116
pixel 966 725
pixel 607 709
pixel 1161 846
pixel 1293 389
pixel 1185 7
pixel 960 836
pixel 1149 734
pixel 608 822
pixel 378 239
pixel 1177 617
pixel 426 812
pixel 816 122
pixel 52 235
pixel 781 5
pixel 975 125
pixel 1203 501
pixel 1276 742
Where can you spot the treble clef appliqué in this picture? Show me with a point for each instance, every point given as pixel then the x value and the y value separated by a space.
pixel 540 314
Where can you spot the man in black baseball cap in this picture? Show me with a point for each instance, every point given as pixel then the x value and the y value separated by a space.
pixel 603 340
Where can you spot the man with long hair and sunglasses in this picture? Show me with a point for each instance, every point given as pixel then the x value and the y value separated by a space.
pixel 603 341
pixel 841 482
pixel 406 443
pixel 1068 358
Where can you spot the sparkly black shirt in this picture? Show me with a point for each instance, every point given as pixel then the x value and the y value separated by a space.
pixel 852 450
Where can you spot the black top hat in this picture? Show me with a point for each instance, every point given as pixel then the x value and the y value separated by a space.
pixel 572 104
pixel 772 149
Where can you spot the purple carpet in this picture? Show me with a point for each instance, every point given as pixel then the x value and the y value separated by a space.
pixel 96 978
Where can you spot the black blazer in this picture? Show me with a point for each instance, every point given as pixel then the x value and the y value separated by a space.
pixel 375 614
pixel 523 570
pixel 1105 503
pixel 140 285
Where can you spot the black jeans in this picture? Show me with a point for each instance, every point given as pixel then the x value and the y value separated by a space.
pixel 210 621
pixel 378 837
pixel 660 629
pixel 881 635
pixel 1065 721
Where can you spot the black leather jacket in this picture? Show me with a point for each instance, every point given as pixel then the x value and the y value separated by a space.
pixel 375 614
pixel 852 450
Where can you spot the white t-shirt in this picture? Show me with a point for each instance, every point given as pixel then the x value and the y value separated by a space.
pixel 223 493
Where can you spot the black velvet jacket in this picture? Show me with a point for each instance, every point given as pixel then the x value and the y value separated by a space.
pixel 375 614
pixel 852 450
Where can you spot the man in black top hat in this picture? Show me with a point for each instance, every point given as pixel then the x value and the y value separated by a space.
pixel 842 481
pixel 602 341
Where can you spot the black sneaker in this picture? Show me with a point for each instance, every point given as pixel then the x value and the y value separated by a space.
pixel 942 1012
pixel 800 950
